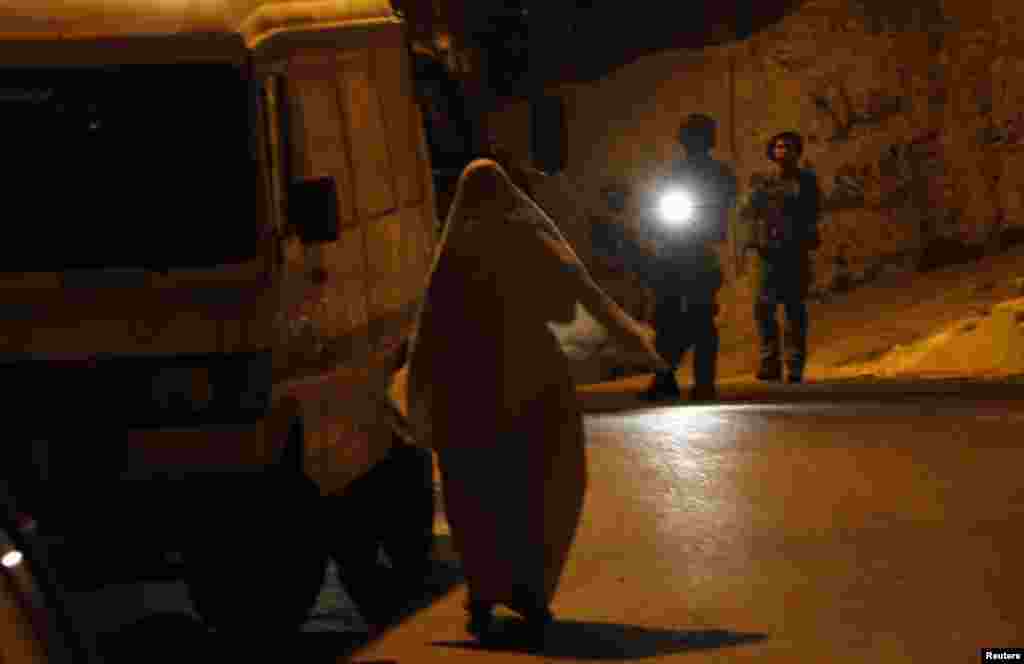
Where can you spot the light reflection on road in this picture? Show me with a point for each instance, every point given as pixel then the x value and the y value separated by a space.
pixel 725 494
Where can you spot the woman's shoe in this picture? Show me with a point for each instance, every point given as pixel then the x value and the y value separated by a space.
pixel 663 388
pixel 537 623
pixel 481 619
pixel 537 616
pixel 703 393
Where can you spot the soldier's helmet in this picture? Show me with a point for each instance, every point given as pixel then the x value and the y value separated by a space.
pixel 698 130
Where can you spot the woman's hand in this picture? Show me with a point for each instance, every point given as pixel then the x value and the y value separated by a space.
pixel 646 337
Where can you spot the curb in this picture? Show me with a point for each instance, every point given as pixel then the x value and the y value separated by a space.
pixel 625 395
pixel 873 388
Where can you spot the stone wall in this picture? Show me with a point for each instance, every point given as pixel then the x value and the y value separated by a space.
pixel 912 111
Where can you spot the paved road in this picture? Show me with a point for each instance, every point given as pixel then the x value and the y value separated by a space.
pixel 875 532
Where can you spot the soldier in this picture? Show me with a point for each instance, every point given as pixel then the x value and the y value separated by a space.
pixel 782 228
pixel 688 274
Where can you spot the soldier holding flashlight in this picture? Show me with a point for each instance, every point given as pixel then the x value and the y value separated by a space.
pixel 691 218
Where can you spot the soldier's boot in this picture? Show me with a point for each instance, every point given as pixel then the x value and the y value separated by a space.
pixel 705 365
pixel 770 367
pixel 769 370
pixel 481 619
pixel 796 340
pixel 663 387
pixel 703 393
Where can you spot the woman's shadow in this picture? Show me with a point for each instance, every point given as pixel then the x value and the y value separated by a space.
pixel 563 638
pixel 175 637
pixel 603 641
pixel 573 639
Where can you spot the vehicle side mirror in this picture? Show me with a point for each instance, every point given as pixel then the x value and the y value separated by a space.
pixel 313 208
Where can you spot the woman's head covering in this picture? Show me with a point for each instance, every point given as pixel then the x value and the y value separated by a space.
pixel 502 272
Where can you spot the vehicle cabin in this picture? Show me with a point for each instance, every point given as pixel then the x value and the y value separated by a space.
pixel 211 203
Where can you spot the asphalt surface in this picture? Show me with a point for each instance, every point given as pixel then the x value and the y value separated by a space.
pixel 885 529
pixel 856 522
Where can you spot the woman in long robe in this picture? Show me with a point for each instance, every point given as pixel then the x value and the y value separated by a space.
pixel 489 389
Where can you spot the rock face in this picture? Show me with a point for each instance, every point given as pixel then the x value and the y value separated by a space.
pixel 912 113
pixel 989 345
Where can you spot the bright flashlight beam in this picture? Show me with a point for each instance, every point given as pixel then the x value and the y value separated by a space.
pixel 676 207
pixel 11 559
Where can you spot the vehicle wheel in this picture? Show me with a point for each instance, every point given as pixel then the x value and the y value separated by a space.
pixel 408 535
pixel 390 508
pixel 258 559
pixel 179 636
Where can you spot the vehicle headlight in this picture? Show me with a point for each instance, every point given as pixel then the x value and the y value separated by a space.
pixel 676 207
pixel 223 385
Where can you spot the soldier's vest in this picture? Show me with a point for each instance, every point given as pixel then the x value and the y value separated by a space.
pixel 777 229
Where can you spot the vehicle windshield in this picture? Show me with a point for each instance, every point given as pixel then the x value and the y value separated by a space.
pixel 134 166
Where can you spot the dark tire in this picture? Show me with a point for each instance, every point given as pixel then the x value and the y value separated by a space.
pixel 408 535
pixel 390 508
pixel 256 563
pixel 180 638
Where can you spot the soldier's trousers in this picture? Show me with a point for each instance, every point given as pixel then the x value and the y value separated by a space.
pixel 681 323
pixel 786 286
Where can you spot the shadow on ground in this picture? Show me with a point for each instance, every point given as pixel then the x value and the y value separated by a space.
pixel 169 643
pixel 325 647
pixel 604 641
pixel 622 401
pixel 611 401
pixel 180 637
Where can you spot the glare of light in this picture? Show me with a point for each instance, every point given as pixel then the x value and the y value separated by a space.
pixel 12 559
pixel 676 207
